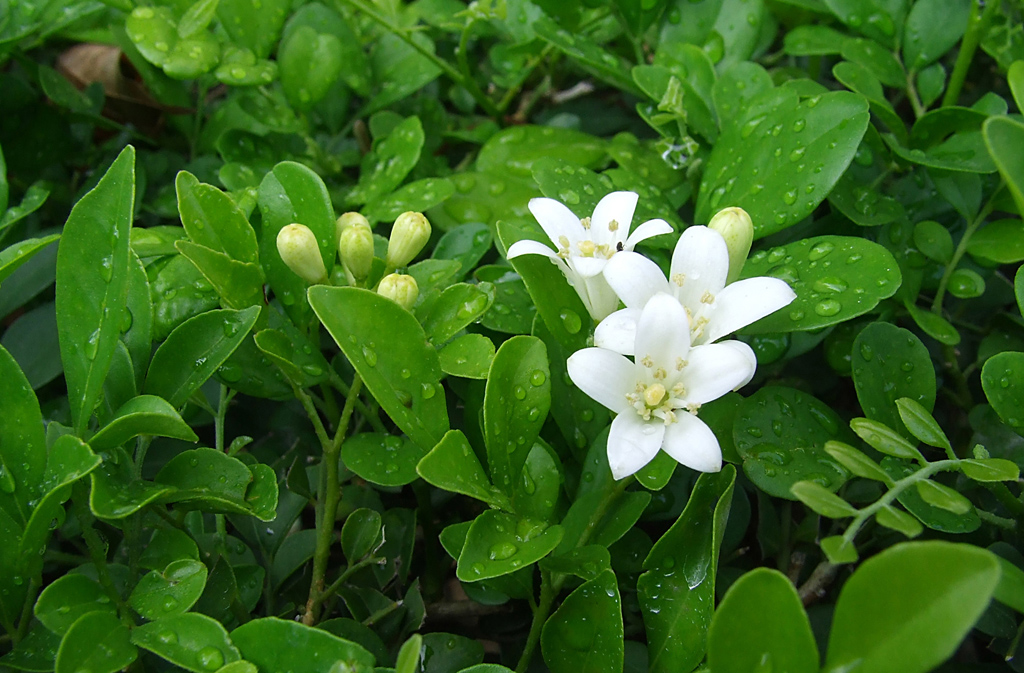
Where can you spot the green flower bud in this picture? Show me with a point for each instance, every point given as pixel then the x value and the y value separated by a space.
pixel 299 250
pixel 400 289
pixel 346 220
pixel 356 249
pixel 738 231
pixel 410 233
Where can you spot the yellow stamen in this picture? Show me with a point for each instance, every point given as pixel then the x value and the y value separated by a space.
pixel 585 222
pixel 613 225
pixel 707 298
pixel 679 279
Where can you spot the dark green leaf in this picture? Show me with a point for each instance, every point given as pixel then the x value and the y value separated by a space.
pixel 23 451
pixel 889 363
pixel 453 466
pixel 516 149
pixel 171 592
pixel 143 415
pixel 193 641
pixel 212 219
pixel 97 642
pixel 1002 378
pixel 926 39
pixel 498 544
pixel 12 257
pixel 585 635
pixel 117 490
pixel 308 650
pixel 468 356
pixel 68 598
pixel 382 459
pixel 360 534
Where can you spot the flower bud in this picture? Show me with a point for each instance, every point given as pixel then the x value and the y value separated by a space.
pixel 410 233
pixel 356 249
pixel 346 220
pixel 738 231
pixel 399 288
pixel 299 250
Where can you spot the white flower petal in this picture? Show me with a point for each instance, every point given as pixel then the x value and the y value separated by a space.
pixel 632 443
pixel 618 206
pixel 715 369
pixel 617 332
pixel 702 259
pixel 528 247
pixel 634 278
pixel 745 301
pixel 603 375
pixel 601 298
pixel 647 230
pixel 690 441
pixel 587 266
pixel 662 333
pixel 556 220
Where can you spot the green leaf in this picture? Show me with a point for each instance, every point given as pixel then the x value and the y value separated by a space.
pixel 761 622
pixel 253 26
pixel 943 497
pixel 990 469
pixel 117 490
pixel 857 462
pixel 1001 241
pixel 68 598
pixel 935 518
pixel 781 434
pixel 92 278
pixel 884 439
pixel 360 534
pixel 416 196
pixel 890 362
pixel 516 403
pixel 1002 379
pixel 881 20
pixel 588 54
pixel 934 241
pixel 399 69
pixel 402 372
pixel 468 356
pixel 97 642
pixel 677 589
pixel 453 466
pixel 798 152
pixel 287 349
pixel 466 244
pixel 862 80
pixel 934 325
pixel 170 592
pixel 898 520
pixel 142 415
pixel 23 454
pixel 408 659
pixel 822 500
pixel 586 562
pixel 386 166
pixel 1010 590
pixel 835 278
pixel 963 151
pixel 37 651
pixel 878 60
pixel 305 86
pixel 308 650
pixel 498 544
pixel 35 197
pixel 908 608
pixel 13 256
pixel 291 193
pixel 921 423
pixel 194 351
pixel 585 634
pixel 838 550
pixel 167 545
pixel 381 458
pixel 516 149
pixel 139 336
pixel 925 39
pixel 1015 78
pixel 513 311
pixel 192 641
pixel 213 219
pixel 356 70
pixel 212 481
pixel 1018 290
pixel 457 307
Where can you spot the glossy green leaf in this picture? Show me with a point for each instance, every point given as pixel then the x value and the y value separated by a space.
pixel 192 641
pixel 167 545
pixel 213 481
pixel 838 550
pixel 212 219
pixel 139 336
pixel 1001 241
pixel 382 459
pixel 926 39
pixel 878 60
pixel 468 356
pixel 781 434
pixel 194 351
pixel 457 307
pixel 1010 590
pixel 931 82
pixel 282 644
pixel 143 415
pixel 677 589
pixel 516 149
pixel 1015 78
pixel 801 150
pixel 934 241
pixel 170 592
pixel 386 166
pixel 36 652
pixel 921 423
pixel 360 534
pixel 466 244
pixel 401 372
pixel 761 622
pixel 239 284
pixel 408 659
pixel 857 462
pixel 898 520
pixel 884 439
pixel 964 151
pixel 1002 134
pixel 68 598
pixel 990 469
pixel 452 465
pixel 860 79
pixel 155 33
pixel 586 562
pixel 23 451
pixel 97 642
pixel 32 341
pixel 934 325
pixel 516 403
pixel 117 491
pixel 484 197
pixel 289 353
pixel 416 196
pixel 305 86
pixel 239 67
pixel 585 633
pixel 513 310
pixel 890 362
pixel 400 69
pixel 92 277
pixel 943 497
pixel 178 292
pixel 835 278
pixel 35 197
pixel 12 257
pixel 253 26
pixel 880 20
pixel 907 608
pixel 356 70
pixel 290 193
pixel 822 500
pixel 588 54
pixel 499 543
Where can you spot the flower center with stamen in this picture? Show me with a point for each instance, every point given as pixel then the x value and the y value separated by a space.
pixel 654 400
pixel 587 248
pixel 654 395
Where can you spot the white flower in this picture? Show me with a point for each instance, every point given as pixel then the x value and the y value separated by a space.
pixel 585 245
pixel 700 266
pixel 657 396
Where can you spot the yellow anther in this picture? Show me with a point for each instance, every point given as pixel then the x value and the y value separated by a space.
pixel 707 298
pixel 613 225
pixel 681 364
pixel 679 390
pixel 585 222
pixel 660 374
pixel 646 361
pixel 654 395
pixel 679 279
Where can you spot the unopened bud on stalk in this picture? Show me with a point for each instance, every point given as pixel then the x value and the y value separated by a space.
pixel 410 233
pixel 399 288
pixel 356 247
pixel 738 231
pixel 345 220
pixel 299 250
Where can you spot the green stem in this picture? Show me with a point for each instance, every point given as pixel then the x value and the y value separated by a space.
pixel 540 616
pixel 97 549
pixel 1006 499
pixel 351 570
pixel 977 26
pixel 26 611
pixel 915 99
pixel 961 250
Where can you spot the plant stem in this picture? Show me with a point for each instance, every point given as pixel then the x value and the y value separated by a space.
pixel 977 25
pixel 915 99
pixel 97 549
pixel 961 250
pixel 540 617
pixel 351 570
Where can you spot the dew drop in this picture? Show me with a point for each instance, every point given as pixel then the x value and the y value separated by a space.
pixel 828 307
pixel 519 392
pixel 502 551
pixel 210 658
pixel 428 391
pixel 538 377
pixel 369 355
pixel 570 321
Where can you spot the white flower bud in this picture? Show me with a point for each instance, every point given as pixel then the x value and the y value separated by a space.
pixel 346 220
pixel 410 233
pixel 399 288
pixel 356 248
pixel 299 250
pixel 738 231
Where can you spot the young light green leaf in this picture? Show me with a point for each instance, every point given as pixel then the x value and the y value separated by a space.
pixel 408 659
pixel 92 278
pixel 857 462
pixel 884 439
pixel 990 469
pixel 921 423
pixel 822 500
pixel 898 520
pixel 838 550
pixel 943 497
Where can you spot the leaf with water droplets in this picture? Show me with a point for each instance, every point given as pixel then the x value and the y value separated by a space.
pixel 517 149
pixel 880 20
pixel 513 310
pixel 781 434
pixel 585 633
pixel 36 652
pixel 588 54
pixel 292 352
pixel 253 25
pixel 194 351
pixel 170 592
pixel 416 196
pixel 68 598
pixel 308 650
pixel 117 491
pixel 1002 379
pixel 835 278
pixel 193 641
pixel 1002 135
pixel 213 219
pixel 98 642
pixel 468 356
pixel 399 69
pixel 142 415
pixel 482 198
pixel 22 443
pixel 92 279
pixel 935 518
pixel 358 319
pixel 498 544
pixel 677 589
pixel 13 256
pixel 761 621
pixel 452 465
pixel 926 39
pixel 780 158
pixel 382 459
pixel 457 307
pixel 466 244
pixel 305 86
pixel 212 481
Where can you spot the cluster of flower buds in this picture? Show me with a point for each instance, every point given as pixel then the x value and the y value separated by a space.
pixel 299 250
